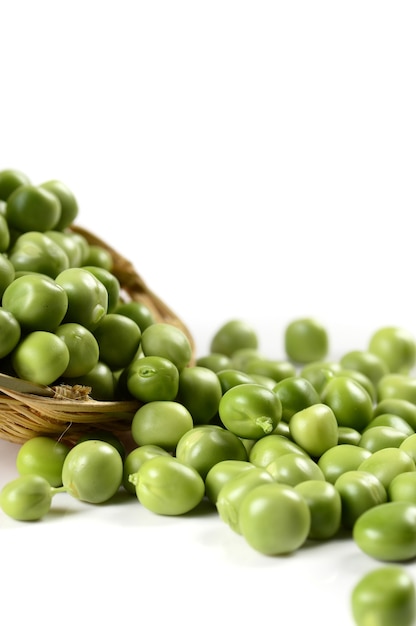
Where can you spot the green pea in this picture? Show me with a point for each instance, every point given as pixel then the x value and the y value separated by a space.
pixel 82 347
pixel 11 179
pixel 200 392
pixel 26 498
pixel 208 444
pixel 348 435
pixel 44 457
pixel 4 234
pixel 397 386
pixel 273 369
pixel 87 297
pixel 384 596
pixel 108 437
pixel 36 252
pixel 387 463
pixel 325 506
pixel 161 423
pixel 362 379
pixel 366 362
pixel 220 474
pixel 32 208
pixel 274 519
pixel 394 421
pixel 403 487
pixel 397 406
pixel 40 357
pixel 112 285
pixel 152 378
pixel 359 491
pixel 216 362
pixel 10 332
pixel 396 347
pixel 387 532
pixel 379 437
pixel 240 357
pixel 293 468
pixel 101 380
pixel 409 446
pixel 166 486
pixel 232 336
pixel 340 459
pixel 314 429
pixel 295 393
pixel 268 449
pixel 68 244
pixel 98 256
pixel 231 377
pixel 167 341
pixel 319 373
pixel 350 402
pixel 68 203
pixel 135 459
pixel 118 338
pixel 233 492
pixel 7 273
pixel 306 340
pixel 92 471
pixel 138 312
pixel 250 410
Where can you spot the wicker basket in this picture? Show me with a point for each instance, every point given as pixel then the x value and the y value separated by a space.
pixel 65 412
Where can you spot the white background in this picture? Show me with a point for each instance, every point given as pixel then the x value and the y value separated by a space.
pixel 254 159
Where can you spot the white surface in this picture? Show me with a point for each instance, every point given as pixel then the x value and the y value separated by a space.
pixel 254 160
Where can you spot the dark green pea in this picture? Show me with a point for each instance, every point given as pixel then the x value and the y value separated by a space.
pixel 200 392
pixel 7 273
pixel 11 179
pixel 32 208
pixel 275 370
pixel 101 380
pixel 359 491
pixel 325 506
pixel 67 201
pixel 295 393
pixel 250 410
pixel 387 532
pixel 350 402
pixel 4 234
pixel 138 312
pixel 362 379
pixel 118 338
pixel 10 332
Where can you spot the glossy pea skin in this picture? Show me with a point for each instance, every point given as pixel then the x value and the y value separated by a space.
pixel 36 252
pixel 234 335
pixel 359 491
pixel 101 380
pixel 10 332
pixel 394 421
pixel 36 301
pixel 87 297
pixel 340 459
pixel 274 519
pixel 403 487
pixel 135 459
pixel 275 370
pixel 306 340
pixel 98 256
pixel 40 357
pixel 366 362
pixel 250 410
pixel 208 444
pixel 68 244
pixel 151 378
pixel 350 402
pixel 231 377
pixel 110 282
pixel 167 341
pixel 379 437
pixel 215 362
pixel 137 311
pixel 11 179
pixel 314 429
pixel 362 379
pixel 325 506
pixel 295 393
pixel 67 201
pixel 118 339
pixel 387 463
pixel 233 492
pixel 397 406
pixel 44 457
pixel 395 346
pixel 397 386
pixel 26 498
pixel 319 373
pixel 92 471
pixel 161 423
pixel 384 596
pixel 268 449
pixel 167 486
pixel 387 532
pixel 7 273
pixel 292 469
pixel 409 446
pixel 32 208
pixel 82 346
pixel 348 435
pixel 200 391
pixel 220 474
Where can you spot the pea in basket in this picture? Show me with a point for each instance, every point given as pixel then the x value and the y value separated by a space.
pixel 66 407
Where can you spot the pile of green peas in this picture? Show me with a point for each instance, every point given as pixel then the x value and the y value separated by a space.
pixel 287 451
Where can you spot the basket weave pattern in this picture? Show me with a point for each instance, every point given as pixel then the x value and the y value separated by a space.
pixel 65 412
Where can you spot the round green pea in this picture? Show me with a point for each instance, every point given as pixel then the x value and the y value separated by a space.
pixel 166 486
pixel 272 369
pixel 68 244
pixel 200 391
pixel 384 596
pixel 67 201
pixel 387 532
pixel 392 420
pixel 232 336
pixel 366 362
pixel 161 423
pixel 87 297
pixel 395 346
pixel 151 378
pixel 26 498
pixel 306 340
pixel 215 362
pixel 7 273
pixel 350 402
pixel 11 179
pixel 314 429
pixel 409 446
pixel 220 474
pixel 82 346
pixel 295 393
pixel 268 449
pixel 387 463
pixel 250 410
pixel 293 468
pixel 138 312
pixel 397 406
pixel 32 208
pixel 135 459
pixel 349 435
pixel 274 519
pixel 101 380
pixel 40 357
pixel 112 285
pixel 340 459
pixel 319 373
pixel 379 437
pixel 231 377
pixel 325 505
pixel 397 385
pixel 44 457
pixel 359 491
pixel 36 252
pixel 167 341
pixel 118 338
pixel 10 332
pixel 403 487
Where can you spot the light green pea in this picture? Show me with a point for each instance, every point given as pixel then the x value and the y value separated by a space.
pixel 324 502
pixel 292 469
pixel 409 446
pixel 380 437
pixel 340 459
pixel 232 336
pixel 397 386
pixel 315 429
pixel 272 447
pixel 359 491
pixel 403 488
pixel 387 463
pixel 394 421
pixel 350 402
pixel 220 474
pixel 397 406
pixel 272 369
pixel 366 362
pixel 135 459
pixel 295 393
pixel 26 498
pixel 396 346
pixel 306 340
pixel 349 435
